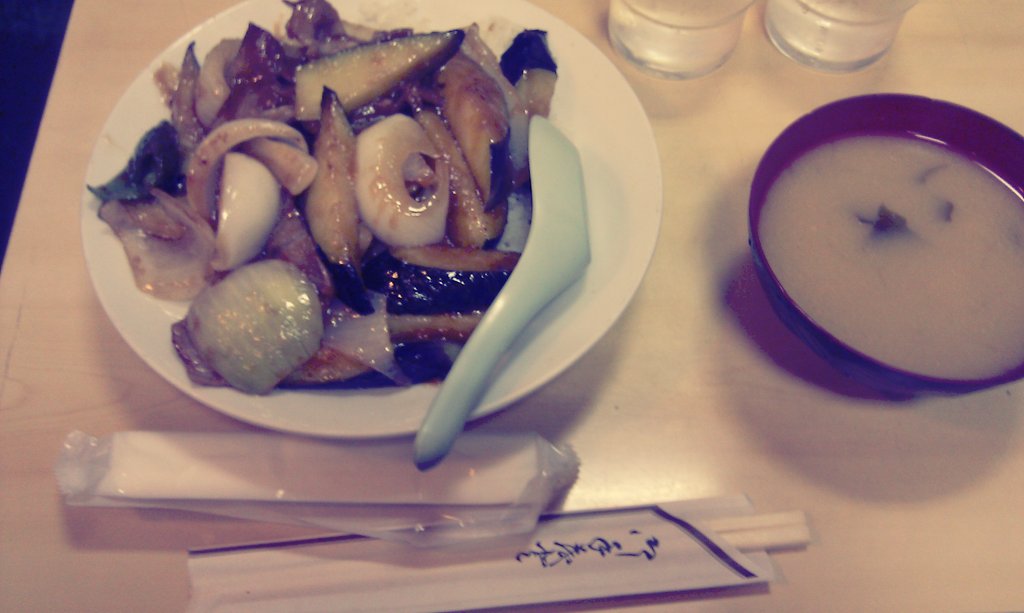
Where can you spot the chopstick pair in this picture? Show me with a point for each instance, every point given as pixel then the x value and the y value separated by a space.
pixel 767 531
pixel 576 556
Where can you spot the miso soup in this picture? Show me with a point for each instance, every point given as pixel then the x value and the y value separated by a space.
pixel 905 251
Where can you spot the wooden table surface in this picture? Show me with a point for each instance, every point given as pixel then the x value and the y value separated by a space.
pixel 696 391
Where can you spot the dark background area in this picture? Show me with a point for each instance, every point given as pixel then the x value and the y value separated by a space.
pixel 31 33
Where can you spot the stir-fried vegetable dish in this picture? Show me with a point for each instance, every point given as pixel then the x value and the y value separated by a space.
pixel 332 200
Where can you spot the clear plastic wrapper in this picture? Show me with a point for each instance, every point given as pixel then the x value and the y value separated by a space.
pixel 489 486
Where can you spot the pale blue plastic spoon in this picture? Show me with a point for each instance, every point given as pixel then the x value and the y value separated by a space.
pixel 556 253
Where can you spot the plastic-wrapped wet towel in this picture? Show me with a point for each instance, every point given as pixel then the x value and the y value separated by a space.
pixel 490 485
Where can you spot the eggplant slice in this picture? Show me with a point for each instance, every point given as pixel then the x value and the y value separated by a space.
pixel 362 73
pixel 330 205
pixel 474 106
pixel 435 280
pixel 470 223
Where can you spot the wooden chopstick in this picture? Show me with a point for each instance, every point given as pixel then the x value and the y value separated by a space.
pixel 786 530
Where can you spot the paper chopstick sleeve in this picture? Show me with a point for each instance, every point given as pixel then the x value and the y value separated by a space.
pixel 490 485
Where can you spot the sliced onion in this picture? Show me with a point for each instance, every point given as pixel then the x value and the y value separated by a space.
pixel 200 176
pixel 292 167
pixel 365 338
pixel 168 247
pixel 388 153
pixel 257 325
pixel 537 88
pixel 250 204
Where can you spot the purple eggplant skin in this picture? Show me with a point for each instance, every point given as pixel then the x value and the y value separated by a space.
pixel 419 288
pixel 349 286
pixel 261 77
pixel 313 21
pixel 156 163
pixel 528 51
pixel 423 362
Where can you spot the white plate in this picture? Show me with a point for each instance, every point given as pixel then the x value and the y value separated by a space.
pixel 593 105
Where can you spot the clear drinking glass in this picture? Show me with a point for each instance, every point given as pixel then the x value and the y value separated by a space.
pixel 834 35
pixel 677 39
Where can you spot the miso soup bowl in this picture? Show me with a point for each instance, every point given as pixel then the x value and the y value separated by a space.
pixel 964 131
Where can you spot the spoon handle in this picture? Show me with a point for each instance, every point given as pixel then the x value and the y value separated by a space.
pixel 466 383
pixel 556 253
